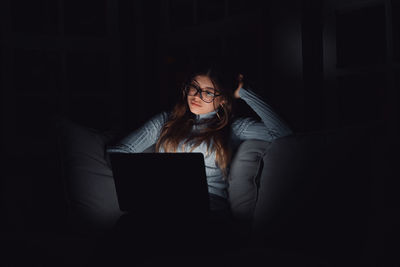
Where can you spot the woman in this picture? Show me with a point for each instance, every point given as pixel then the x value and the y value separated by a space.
pixel 202 121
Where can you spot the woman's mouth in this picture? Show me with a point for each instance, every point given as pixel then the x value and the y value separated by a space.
pixel 195 104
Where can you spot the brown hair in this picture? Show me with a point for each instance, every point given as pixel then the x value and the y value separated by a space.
pixel 216 132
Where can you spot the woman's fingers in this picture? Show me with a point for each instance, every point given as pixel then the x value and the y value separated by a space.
pixel 240 85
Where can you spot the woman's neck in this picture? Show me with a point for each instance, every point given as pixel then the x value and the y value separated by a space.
pixel 205 115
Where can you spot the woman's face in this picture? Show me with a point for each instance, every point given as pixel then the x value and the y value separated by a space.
pixel 196 104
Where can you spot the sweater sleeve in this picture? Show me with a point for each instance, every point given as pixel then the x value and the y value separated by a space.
pixel 142 138
pixel 270 127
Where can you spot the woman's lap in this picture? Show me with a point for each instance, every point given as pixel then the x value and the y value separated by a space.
pixel 139 237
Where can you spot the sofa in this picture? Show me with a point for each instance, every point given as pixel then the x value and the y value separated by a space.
pixel 305 198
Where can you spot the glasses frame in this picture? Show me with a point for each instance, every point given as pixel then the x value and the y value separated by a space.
pixel 199 91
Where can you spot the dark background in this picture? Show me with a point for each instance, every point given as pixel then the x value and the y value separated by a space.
pixel 112 64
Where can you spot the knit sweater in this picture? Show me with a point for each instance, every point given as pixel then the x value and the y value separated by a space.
pixel 269 128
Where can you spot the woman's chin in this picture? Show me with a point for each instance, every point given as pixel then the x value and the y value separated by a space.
pixel 195 111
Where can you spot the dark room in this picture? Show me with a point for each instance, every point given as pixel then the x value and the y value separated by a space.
pixel 290 107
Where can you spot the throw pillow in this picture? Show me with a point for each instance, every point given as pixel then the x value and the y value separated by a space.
pixel 243 178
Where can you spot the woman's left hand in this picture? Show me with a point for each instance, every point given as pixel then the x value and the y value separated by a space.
pixel 240 85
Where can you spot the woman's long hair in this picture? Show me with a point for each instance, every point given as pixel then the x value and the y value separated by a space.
pixel 216 131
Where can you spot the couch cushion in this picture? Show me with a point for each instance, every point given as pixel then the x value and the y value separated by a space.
pixel 314 191
pixel 243 178
pixel 89 183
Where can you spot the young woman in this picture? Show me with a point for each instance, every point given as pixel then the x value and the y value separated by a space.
pixel 202 121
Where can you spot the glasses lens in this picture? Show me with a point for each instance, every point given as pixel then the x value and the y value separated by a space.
pixel 191 90
pixel 207 96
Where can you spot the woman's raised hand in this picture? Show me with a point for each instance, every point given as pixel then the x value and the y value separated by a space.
pixel 240 85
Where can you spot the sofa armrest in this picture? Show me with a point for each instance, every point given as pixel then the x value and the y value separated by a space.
pixel 88 179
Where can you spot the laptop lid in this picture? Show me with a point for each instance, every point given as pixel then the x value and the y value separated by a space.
pixel 161 182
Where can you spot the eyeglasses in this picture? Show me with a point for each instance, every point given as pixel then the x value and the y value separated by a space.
pixel 205 95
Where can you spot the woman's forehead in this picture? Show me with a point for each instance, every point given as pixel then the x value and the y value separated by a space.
pixel 204 81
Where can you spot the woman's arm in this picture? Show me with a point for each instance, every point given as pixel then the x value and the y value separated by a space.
pixel 142 138
pixel 271 125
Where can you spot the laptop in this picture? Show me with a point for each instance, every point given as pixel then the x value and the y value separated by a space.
pixel 161 183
